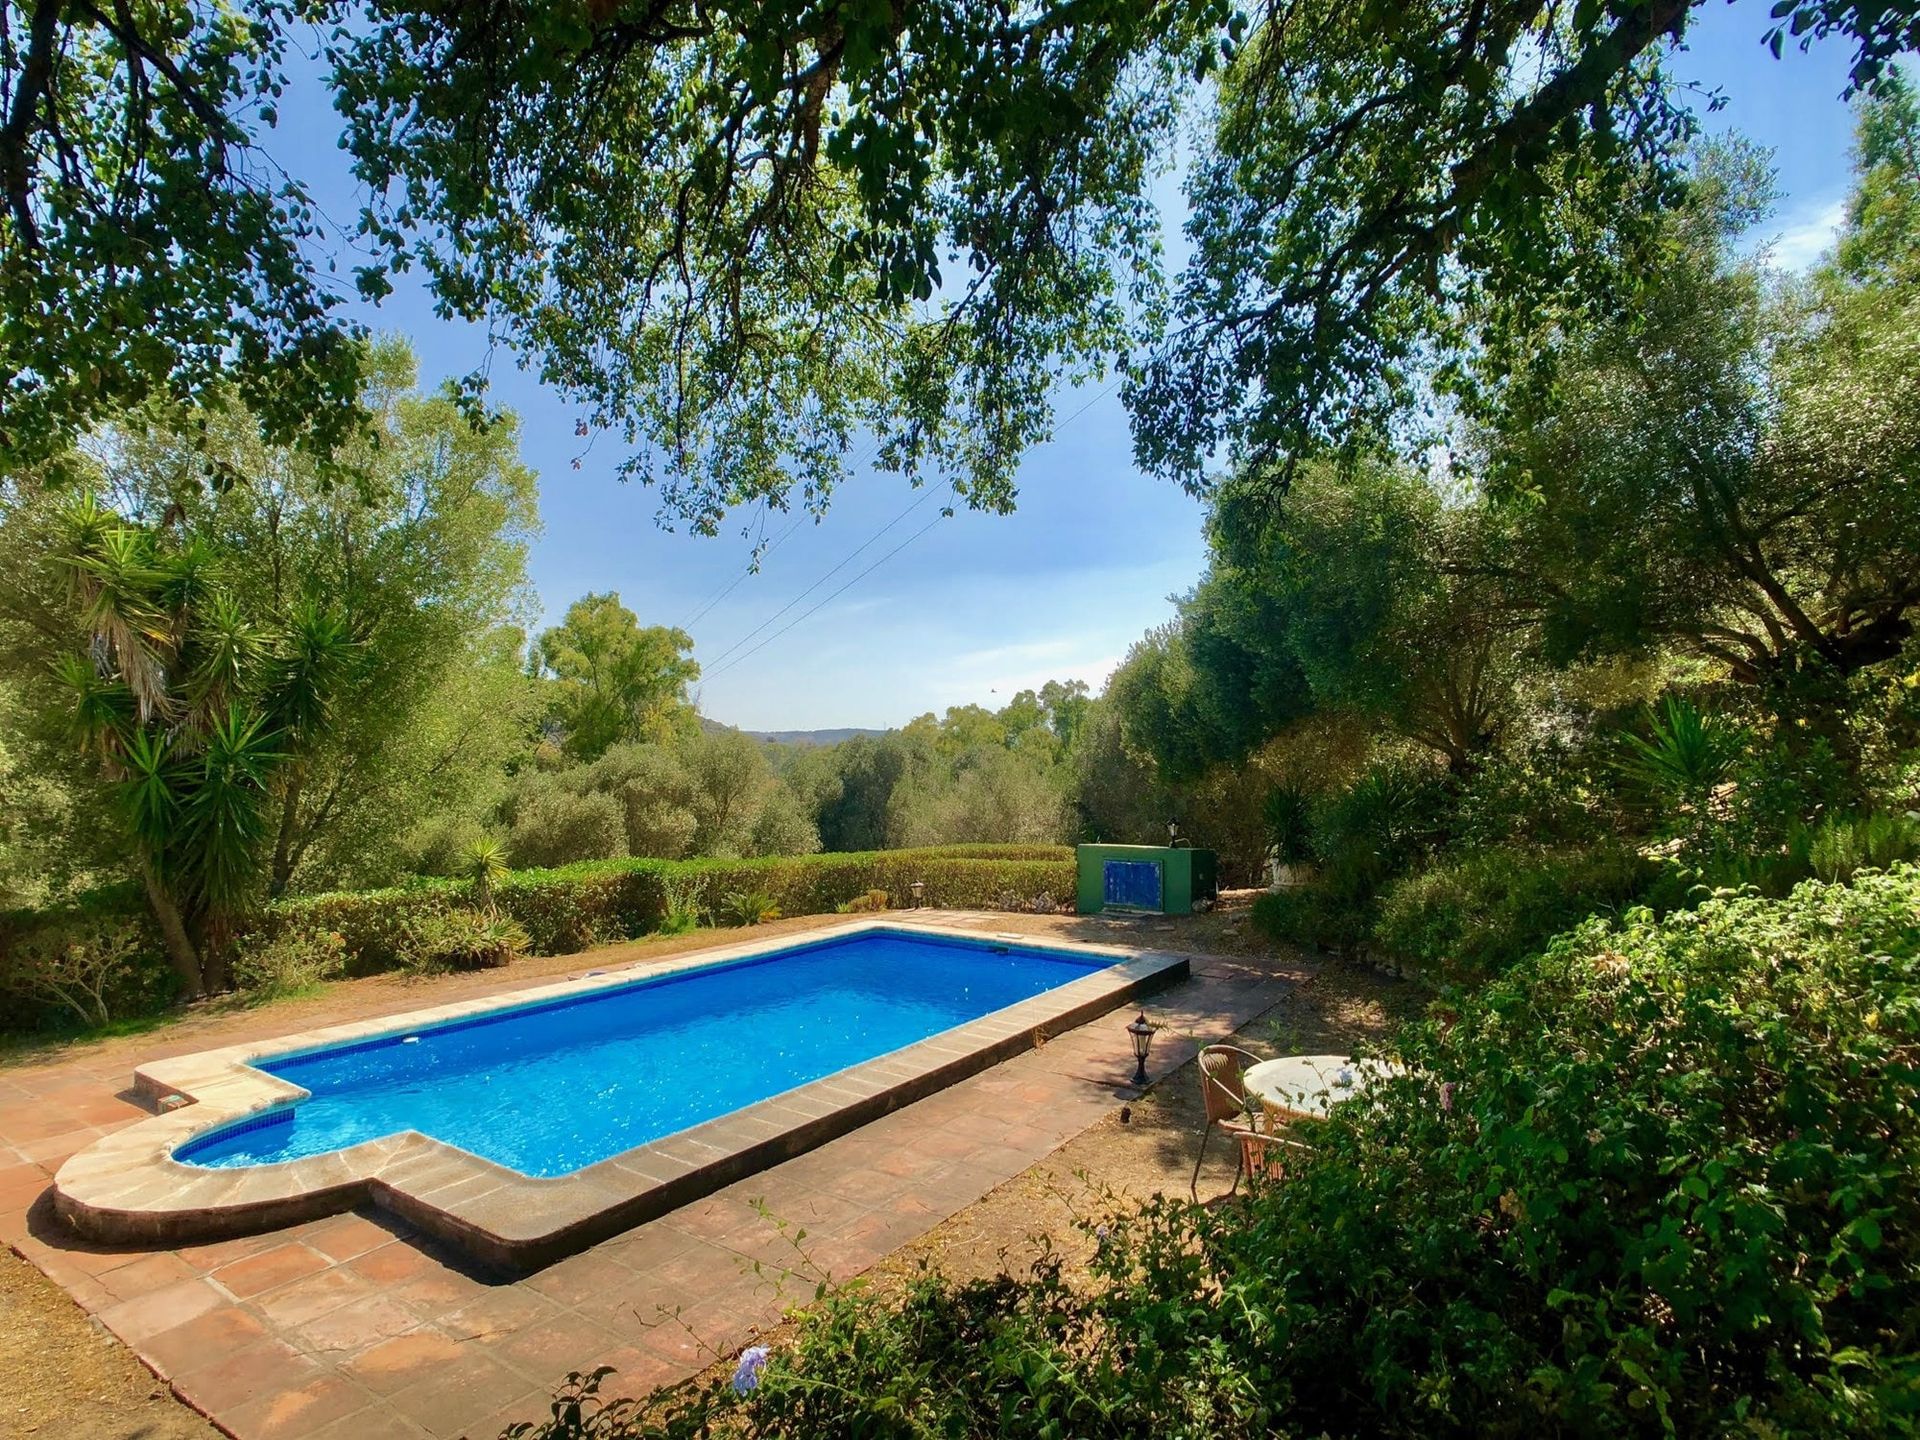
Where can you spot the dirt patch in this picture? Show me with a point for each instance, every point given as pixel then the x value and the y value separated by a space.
pixel 62 1376
pixel 1119 1163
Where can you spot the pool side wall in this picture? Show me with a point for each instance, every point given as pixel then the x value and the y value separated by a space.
pixel 128 1188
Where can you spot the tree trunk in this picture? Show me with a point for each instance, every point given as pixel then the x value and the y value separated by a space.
pixel 281 873
pixel 181 953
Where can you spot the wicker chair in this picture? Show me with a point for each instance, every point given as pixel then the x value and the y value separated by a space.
pixel 1225 1094
pixel 1265 1156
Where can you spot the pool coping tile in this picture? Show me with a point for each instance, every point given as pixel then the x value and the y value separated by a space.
pixel 127 1186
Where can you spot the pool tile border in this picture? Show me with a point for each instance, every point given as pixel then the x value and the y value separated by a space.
pixel 128 1187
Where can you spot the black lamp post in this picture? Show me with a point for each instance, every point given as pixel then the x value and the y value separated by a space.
pixel 919 888
pixel 1141 1033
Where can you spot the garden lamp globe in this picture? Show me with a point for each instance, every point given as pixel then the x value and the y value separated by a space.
pixel 1141 1033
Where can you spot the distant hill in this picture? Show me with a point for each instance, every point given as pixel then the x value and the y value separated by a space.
pixel 810 737
pixel 788 737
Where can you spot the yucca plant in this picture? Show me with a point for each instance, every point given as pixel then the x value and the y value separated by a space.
pixel 1686 755
pixel 749 907
pixel 197 714
pixel 484 864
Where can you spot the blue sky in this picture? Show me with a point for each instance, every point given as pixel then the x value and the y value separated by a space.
pixel 979 606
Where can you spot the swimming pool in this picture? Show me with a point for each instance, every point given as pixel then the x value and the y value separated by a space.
pixel 549 1088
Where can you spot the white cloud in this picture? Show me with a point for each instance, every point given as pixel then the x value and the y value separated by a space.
pixel 1807 238
pixel 989 659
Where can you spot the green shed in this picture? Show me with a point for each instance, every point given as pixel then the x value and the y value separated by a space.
pixel 1157 879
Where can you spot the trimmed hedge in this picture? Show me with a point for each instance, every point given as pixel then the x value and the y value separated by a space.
pixel 567 909
pixel 599 901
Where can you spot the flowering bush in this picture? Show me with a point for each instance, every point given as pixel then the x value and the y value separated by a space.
pixel 77 968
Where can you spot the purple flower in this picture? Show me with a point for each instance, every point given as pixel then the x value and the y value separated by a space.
pixel 746 1375
pixel 1446 1095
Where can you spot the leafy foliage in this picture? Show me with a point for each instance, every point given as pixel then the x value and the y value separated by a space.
pixel 736 239
pixel 451 937
pixel 613 680
pixel 148 249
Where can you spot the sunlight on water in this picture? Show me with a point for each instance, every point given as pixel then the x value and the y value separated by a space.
pixel 548 1091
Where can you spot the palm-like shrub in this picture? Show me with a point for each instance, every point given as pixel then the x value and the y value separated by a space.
pixel 749 907
pixel 197 712
pixel 484 865
pixel 1684 757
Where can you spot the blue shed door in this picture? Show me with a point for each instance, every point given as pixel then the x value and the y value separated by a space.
pixel 1134 884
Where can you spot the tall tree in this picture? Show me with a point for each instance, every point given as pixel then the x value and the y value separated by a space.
pixel 1737 469
pixel 424 561
pixel 613 679
pixel 196 708
pixel 1392 597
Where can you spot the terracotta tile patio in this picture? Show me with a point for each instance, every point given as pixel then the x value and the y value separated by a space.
pixel 355 1326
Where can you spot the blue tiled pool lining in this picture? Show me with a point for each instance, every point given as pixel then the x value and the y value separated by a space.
pixel 551 1087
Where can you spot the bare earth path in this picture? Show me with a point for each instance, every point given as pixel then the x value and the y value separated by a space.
pixel 256 1336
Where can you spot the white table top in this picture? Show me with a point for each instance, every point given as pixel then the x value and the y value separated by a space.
pixel 1305 1085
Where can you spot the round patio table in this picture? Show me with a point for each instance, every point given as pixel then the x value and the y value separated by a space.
pixel 1301 1087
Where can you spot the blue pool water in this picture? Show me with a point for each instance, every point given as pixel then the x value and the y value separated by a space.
pixel 548 1088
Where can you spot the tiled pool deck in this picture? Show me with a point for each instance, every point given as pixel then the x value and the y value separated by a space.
pixel 359 1324
pixel 127 1187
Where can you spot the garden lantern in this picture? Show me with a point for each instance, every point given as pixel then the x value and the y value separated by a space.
pixel 1141 1033
pixel 919 888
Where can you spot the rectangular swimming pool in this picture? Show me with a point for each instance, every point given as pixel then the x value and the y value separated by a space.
pixel 549 1088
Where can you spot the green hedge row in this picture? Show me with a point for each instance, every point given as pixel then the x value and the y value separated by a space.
pixel 562 910
pixel 599 901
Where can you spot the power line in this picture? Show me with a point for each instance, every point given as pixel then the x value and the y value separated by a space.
pixel 820 605
pixel 734 584
pixel 1104 391
pixel 721 663
pixel 842 564
pixel 853 467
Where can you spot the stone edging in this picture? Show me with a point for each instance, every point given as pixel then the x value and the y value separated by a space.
pixel 128 1187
